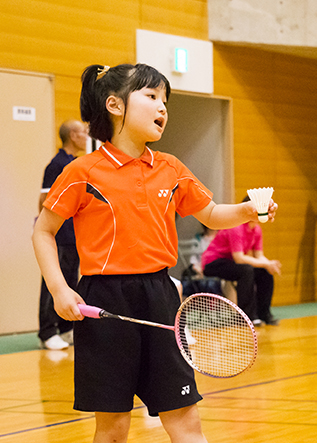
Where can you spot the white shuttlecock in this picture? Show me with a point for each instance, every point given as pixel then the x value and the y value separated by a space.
pixel 261 198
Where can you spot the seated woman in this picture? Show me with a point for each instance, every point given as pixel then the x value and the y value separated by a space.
pixel 237 255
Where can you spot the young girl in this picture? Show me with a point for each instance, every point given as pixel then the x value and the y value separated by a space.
pixel 123 198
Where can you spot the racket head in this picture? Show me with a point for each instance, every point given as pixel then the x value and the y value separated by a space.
pixel 215 336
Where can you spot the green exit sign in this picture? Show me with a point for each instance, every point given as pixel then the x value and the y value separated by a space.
pixel 180 60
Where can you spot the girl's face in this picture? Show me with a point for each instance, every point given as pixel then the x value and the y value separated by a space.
pixel 146 115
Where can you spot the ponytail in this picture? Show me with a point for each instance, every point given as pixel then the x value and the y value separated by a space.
pixel 93 104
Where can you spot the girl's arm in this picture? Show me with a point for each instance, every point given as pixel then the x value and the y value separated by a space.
pixel 65 299
pixel 228 216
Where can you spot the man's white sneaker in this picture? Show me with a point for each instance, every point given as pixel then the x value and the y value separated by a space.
pixel 189 338
pixel 257 322
pixel 55 343
pixel 68 337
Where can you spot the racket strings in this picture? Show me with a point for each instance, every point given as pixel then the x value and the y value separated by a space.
pixel 215 337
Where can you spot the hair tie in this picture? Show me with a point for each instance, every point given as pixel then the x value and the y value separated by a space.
pixel 102 71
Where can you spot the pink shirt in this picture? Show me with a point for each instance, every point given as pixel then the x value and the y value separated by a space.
pixel 239 239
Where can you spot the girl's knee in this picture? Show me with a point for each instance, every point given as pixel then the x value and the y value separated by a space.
pixel 112 427
pixel 183 424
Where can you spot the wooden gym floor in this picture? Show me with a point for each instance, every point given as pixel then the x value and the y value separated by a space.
pixel 275 401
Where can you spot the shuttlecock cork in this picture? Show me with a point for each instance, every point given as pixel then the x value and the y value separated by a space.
pixel 261 198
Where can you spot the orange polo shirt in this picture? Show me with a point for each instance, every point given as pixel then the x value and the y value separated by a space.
pixel 124 208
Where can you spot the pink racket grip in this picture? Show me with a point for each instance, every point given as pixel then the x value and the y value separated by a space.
pixel 89 311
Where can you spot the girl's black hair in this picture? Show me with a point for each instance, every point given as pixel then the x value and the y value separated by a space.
pixel 120 81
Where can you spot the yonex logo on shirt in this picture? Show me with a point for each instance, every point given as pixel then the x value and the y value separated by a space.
pixel 163 192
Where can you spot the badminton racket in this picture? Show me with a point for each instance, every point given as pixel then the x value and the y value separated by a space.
pixel 213 334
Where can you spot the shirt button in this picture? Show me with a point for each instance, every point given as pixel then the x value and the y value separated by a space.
pixel 139 183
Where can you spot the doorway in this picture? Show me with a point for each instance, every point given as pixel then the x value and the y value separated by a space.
pixel 27 141
pixel 199 133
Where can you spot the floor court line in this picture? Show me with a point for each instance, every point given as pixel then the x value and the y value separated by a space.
pixel 23 431
pixel 142 406
pixel 33 403
pixel 252 385
pixel 260 422
pixel 267 399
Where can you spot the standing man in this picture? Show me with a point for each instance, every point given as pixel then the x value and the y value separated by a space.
pixel 56 333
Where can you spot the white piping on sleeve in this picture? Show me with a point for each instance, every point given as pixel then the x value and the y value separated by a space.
pixel 66 189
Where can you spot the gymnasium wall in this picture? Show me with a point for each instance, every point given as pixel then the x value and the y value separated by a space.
pixel 274 100
pixel 275 139
pixel 64 36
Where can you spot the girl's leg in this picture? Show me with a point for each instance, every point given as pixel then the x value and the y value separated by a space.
pixel 112 427
pixel 183 425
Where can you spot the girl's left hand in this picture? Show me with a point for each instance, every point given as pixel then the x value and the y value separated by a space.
pixel 272 210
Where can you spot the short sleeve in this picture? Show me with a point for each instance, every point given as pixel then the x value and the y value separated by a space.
pixel 68 193
pixel 191 195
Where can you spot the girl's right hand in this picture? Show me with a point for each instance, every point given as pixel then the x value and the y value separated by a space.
pixel 66 304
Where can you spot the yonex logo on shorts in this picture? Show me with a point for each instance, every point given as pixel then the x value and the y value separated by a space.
pixel 163 192
pixel 185 390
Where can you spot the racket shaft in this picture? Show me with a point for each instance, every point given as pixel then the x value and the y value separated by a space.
pixel 94 312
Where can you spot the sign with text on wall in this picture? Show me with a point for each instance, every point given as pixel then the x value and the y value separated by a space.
pixel 24 113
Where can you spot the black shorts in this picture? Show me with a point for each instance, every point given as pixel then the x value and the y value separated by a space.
pixel 115 360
